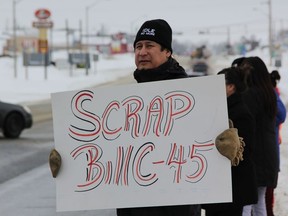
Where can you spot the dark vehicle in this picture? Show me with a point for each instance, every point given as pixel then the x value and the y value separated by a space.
pixel 14 119
pixel 200 67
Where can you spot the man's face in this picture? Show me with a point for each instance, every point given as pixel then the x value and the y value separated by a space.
pixel 148 55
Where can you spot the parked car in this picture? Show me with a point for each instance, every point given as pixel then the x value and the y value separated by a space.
pixel 14 119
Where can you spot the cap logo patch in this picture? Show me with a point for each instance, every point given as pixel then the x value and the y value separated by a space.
pixel 148 31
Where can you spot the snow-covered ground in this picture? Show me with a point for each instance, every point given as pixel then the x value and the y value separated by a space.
pixel 30 85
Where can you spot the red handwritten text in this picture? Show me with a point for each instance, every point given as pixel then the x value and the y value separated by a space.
pixel 129 164
pixel 159 116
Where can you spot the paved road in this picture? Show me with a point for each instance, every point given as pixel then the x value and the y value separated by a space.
pixel 26 185
pixel 34 194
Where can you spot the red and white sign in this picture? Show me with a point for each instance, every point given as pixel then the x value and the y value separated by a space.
pixel 156 145
pixel 42 13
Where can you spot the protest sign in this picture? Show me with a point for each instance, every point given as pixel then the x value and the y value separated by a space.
pixel 148 144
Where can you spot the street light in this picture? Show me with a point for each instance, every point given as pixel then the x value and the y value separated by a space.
pixel 87 8
pixel 15 36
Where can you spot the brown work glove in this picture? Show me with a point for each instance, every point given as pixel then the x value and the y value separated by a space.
pixel 230 145
pixel 54 162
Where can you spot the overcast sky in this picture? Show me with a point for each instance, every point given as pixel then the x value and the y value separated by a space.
pixel 186 16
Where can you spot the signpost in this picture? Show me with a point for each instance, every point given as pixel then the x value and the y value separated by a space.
pixel 36 59
pixel 42 14
pixel 95 59
pixel 43 24
pixel 81 60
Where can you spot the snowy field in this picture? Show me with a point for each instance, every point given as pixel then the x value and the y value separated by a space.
pixel 31 85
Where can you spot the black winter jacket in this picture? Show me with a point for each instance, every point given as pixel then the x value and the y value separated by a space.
pixel 265 152
pixel 244 184
pixel 244 175
pixel 169 70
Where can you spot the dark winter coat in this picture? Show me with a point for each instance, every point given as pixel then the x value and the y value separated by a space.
pixel 169 70
pixel 244 175
pixel 265 152
pixel 244 184
pixel 280 118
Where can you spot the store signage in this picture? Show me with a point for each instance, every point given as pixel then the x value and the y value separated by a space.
pixel 42 13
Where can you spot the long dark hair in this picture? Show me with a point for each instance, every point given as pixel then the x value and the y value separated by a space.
pixel 259 78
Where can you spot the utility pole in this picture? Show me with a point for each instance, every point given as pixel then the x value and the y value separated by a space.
pixel 87 8
pixel 228 41
pixel 270 31
pixel 68 47
pixel 15 2
pixel 14 39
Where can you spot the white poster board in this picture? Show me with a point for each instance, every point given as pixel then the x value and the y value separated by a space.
pixel 148 144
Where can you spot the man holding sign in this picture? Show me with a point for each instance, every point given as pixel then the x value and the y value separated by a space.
pixel 154 62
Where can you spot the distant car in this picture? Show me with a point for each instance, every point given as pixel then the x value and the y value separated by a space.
pixel 198 69
pixel 14 119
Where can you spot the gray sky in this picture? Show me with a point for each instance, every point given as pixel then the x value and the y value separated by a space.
pixel 186 16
